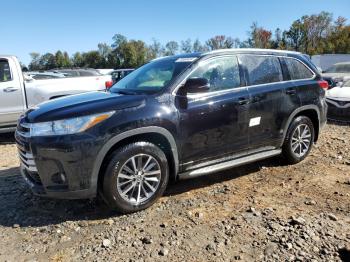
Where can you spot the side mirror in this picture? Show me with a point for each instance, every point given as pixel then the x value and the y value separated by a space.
pixel 196 85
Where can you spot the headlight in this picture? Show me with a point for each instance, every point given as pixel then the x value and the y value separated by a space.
pixel 68 126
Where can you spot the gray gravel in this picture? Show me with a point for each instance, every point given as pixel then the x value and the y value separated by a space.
pixel 260 212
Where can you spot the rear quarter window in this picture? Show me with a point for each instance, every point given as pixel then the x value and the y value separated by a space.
pixel 262 69
pixel 297 70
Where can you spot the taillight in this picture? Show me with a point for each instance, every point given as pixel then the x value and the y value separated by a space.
pixel 109 84
pixel 323 84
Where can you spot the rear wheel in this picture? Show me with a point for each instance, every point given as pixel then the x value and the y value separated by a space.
pixel 136 177
pixel 299 140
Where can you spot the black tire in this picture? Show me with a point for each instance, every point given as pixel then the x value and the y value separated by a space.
pixel 289 154
pixel 110 187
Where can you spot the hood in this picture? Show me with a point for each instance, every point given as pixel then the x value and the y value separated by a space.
pixel 82 104
pixel 339 93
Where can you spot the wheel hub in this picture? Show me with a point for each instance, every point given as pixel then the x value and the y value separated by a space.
pixel 139 178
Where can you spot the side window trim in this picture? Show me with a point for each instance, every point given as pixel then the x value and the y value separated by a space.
pixel 11 75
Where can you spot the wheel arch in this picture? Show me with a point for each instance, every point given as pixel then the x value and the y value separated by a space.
pixel 312 112
pixel 153 134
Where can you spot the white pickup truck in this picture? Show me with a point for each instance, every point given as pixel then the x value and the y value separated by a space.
pixel 17 93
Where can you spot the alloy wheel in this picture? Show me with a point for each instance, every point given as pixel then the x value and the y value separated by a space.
pixel 301 140
pixel 139 178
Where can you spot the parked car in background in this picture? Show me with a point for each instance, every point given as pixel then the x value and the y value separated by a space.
pixel 175 117
pixel 119 74
pixel 339 72
pixel 19 92
pixel 105 71
pixel 338 100
pixel 44 75
pixel 325 61
pixel 78 72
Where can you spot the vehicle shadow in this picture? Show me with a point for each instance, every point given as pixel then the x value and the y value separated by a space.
pixel 20 207
pixel 7 138
pixel 338 122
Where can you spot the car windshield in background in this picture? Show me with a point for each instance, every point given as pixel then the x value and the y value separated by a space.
pixel 346 83
pixel 152 77
pixel 340 68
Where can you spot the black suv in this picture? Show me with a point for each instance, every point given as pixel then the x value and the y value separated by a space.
pixel 175 117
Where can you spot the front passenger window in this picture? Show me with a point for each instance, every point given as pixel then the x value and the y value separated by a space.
pixel 222 73
pixel 5 73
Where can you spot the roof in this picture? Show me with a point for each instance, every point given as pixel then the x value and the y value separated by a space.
pixel 257 50
pixel 230 50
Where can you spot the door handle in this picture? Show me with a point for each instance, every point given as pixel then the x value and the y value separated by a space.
pixel 243 100
pixel 10 89
pixel 291 91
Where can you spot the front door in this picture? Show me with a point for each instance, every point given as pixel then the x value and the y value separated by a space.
pixel 214 124
pixel 11 96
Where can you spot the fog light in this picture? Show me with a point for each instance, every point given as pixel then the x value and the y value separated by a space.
pixel 59 178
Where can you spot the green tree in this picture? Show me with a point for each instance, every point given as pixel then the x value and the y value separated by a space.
pixel 34 64
pixel 78 60
pixel 222 42
pixel 47 62
pixel 171 48
pixel 198 47
pixel 155 50
pixel 259 37
pixel 186 46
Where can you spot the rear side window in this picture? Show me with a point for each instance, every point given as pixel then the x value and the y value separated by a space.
pixel 262 69
pixel 5 73
pixel 222 73
pixel 297 70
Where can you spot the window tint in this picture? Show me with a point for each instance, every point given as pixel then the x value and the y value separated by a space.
pixel 297 70
pixel 262 69
pixel 5 73
pixel 222 73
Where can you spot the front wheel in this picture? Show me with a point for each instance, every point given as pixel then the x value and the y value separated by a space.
pixel 299 140
pixel 136 177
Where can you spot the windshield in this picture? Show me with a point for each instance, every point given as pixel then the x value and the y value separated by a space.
pixel 152 77
pixel 340 68
pixel 346 83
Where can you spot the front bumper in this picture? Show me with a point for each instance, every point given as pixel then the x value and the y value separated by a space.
pixel 58 166
pixel 338 110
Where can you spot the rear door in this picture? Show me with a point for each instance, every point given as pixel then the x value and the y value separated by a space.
pixel 306 89
pixel 264 78
pixel 12 102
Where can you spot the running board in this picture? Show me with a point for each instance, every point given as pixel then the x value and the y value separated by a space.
pixel 229 164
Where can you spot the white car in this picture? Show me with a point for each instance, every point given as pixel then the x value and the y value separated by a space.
pixel 20 92
pixel 339 72
pixel 338 100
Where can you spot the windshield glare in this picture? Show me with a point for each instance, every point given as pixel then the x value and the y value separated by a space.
pixel 152 77
pixel 344 68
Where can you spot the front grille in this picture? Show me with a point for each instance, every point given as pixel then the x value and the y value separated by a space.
pixel 24 151
pixel 337 103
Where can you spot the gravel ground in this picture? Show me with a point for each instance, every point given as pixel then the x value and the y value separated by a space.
pixel 264 211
